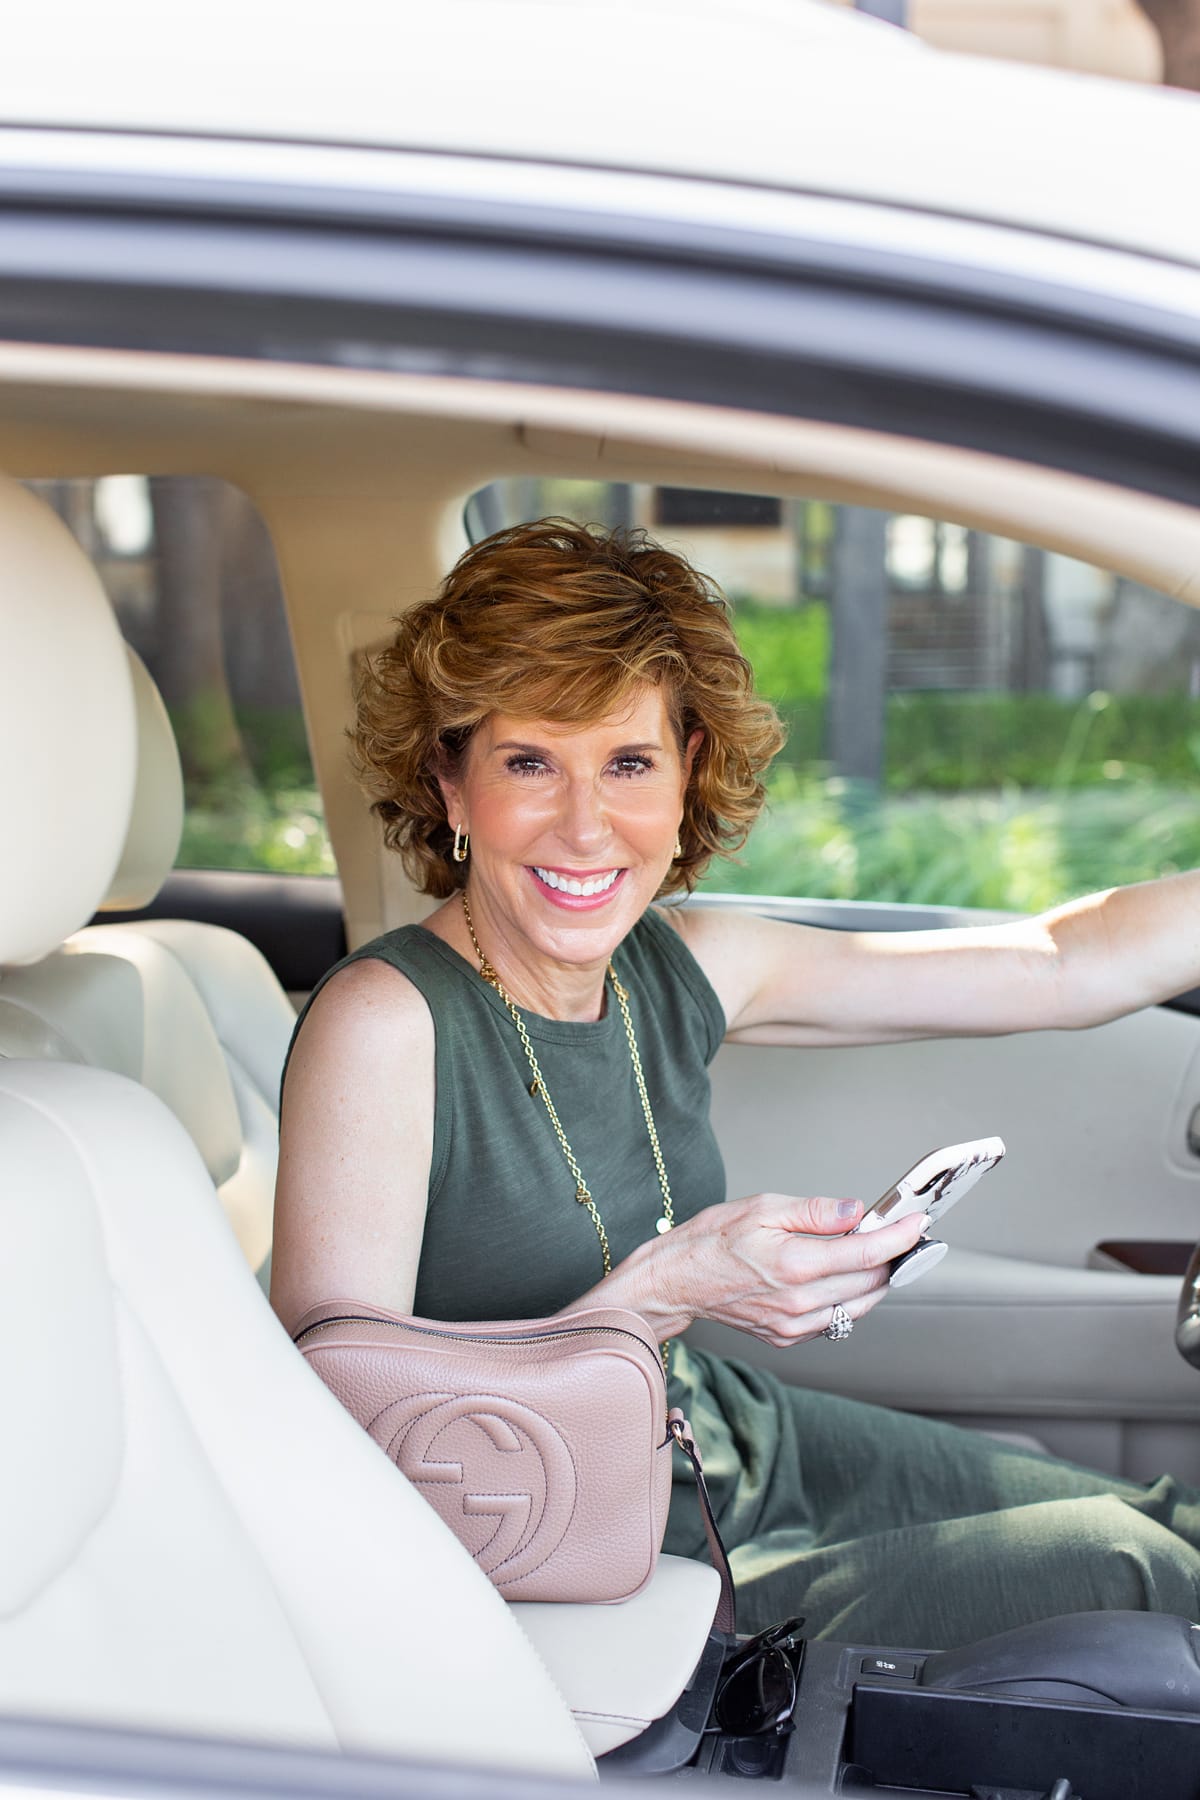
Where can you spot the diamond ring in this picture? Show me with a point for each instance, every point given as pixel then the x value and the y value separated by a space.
pixel 839 1327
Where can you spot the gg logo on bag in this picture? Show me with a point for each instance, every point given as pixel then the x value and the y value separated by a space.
pixel 488 1465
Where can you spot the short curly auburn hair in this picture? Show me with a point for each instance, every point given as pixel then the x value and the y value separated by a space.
pixel 559 621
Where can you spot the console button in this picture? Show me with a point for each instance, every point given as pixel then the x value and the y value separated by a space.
pixel 901 1668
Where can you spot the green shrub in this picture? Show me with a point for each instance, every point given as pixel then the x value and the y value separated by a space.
pixel 788 647
pixel 1008 851
pixel 237 826
pixel 963 742
pixel 953 743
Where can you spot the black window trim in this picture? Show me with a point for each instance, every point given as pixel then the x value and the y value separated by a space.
pixel 1085 382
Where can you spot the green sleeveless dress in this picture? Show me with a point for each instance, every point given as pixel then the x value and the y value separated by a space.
pixel 878 1526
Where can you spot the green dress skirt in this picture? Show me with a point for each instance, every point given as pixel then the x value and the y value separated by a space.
pixel 877 1526
pixel 883 1528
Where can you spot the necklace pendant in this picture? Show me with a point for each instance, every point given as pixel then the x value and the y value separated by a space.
pixel 662 1226
pixel 535 1088
pixel 582 1195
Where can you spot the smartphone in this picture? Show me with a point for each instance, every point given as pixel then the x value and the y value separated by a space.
pixel 931 1186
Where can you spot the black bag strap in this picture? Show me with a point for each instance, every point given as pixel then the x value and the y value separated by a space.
pixel 725 1617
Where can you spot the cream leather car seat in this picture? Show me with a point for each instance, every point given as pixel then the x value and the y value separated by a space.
pixel 198 1537
pixel 192 1012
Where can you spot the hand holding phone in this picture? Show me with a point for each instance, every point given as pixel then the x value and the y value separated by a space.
pixel 931 1186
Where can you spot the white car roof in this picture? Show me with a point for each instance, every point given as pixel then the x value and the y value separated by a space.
pixel 789 94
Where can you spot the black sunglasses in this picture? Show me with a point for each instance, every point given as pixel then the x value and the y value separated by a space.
pixel 758 1688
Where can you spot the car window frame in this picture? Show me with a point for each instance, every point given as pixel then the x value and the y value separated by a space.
pixel 1079 376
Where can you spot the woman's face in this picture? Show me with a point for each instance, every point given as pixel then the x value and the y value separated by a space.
pixel 572 828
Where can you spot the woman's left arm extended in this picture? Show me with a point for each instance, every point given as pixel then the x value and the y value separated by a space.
pixel 1077 965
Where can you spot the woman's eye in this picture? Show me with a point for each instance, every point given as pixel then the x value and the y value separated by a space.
pixel 525 765
pixel 631 765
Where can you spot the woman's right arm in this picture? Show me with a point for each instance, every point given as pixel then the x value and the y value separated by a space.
pixel 355 1145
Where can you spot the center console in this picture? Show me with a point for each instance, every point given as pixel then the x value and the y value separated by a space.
pixel 1095 1706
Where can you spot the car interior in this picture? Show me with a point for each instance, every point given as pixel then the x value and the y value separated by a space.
pixel 166 1438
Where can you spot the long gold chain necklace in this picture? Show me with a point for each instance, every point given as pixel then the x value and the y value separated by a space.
pixel 538 1086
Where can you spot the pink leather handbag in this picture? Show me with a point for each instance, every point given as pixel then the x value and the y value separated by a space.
pixel 545 1444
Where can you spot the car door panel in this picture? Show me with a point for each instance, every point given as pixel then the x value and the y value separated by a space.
pixel 1095 1123
pixel 1014 1327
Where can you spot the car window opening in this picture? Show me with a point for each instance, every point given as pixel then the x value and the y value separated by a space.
pixel 191 573
pixel 972 721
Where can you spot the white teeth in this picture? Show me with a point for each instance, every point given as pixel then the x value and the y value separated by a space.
pixel 595 884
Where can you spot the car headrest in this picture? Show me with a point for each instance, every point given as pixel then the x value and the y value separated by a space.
pixel 156 823
pixel 68 732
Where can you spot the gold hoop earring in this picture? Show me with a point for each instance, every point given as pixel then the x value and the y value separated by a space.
pixel 678 847
pixel 462 845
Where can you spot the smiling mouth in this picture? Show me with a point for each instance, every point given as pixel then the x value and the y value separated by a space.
pixel 581 888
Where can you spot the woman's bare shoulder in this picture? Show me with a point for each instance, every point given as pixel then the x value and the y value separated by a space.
pixel 369 994
pixel 711 932
pixel 746 957
pixel 368 1009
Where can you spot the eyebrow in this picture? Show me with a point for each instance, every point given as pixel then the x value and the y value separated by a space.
pixel 543 750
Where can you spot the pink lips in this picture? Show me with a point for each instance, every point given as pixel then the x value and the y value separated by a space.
pixel 578 902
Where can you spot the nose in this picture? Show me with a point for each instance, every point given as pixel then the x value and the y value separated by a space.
pixel 584 823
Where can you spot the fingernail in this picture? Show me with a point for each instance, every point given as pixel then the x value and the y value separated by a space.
pixel 926 1222
pixel 846 1209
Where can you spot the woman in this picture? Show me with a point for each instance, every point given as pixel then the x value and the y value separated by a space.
pixel 503 1112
